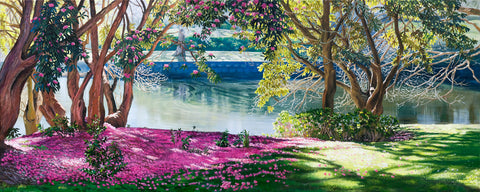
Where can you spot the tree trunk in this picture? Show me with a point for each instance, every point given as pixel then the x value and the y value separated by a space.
pixel 330 83
pixel 51 108
pixel 78 109
pixel 14 74
pixel 330 73
pixel 30 116
pixel 108 92
pixel 120 117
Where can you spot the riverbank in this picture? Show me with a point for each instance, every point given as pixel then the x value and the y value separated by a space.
pixel 439 158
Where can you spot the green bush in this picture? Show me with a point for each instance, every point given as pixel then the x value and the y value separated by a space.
pixel 243 138
pixel 360 125
pixel 61 127
pixel 223 142
pixel 104 159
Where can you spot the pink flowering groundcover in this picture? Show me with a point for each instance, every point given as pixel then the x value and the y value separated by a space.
pixel 149 153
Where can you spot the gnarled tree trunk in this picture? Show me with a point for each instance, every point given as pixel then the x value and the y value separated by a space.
pixel 120 117
pixel 15 71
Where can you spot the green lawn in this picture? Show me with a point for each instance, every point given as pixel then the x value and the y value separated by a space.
pixel 441 158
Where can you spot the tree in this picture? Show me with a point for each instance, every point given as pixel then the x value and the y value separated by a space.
pixel 376 45
pixel 22 59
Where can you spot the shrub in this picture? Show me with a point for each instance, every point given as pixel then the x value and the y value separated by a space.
pixel 104 159
pixel 223 142
pixel 360 125
pixel 62 127
pixel 243 138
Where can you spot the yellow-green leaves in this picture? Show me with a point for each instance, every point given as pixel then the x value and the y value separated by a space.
pixel 275 77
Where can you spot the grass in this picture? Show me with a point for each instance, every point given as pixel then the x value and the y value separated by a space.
pixel 441 158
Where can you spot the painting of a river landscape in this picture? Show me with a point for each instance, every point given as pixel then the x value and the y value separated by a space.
pixel 239 95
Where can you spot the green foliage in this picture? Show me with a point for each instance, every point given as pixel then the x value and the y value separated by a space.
pixel 243 138
pixel 61 127
pixel 13 133
pixel 56 43
pixel 176 137
pixel 104 159
pixel 223 142
pixel 360 125
pixel 186 143
pixel 95 128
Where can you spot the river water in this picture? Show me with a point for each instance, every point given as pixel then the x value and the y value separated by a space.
pixel 230 106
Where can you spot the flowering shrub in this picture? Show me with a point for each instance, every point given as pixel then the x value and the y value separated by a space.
pixel 360 125
pixel 62 127
pixel 104 159
pixel 56 44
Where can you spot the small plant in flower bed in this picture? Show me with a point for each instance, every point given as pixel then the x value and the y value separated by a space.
pixel 61 127
pixel 223 142
pixel 360 125
pixel 104 159
pixel 13 133
pixel 176 137
pixel 243 138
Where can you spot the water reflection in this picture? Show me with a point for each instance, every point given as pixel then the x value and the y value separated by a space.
pixel 229 105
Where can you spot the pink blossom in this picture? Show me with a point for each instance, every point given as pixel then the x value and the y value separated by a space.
pixel 73 43
pixel 40 75
pixel 217 20
pixel 149 29
pixel 264 6
pixel 63 10
pixel 48 85
pixel 51 5
pixel 192 46
pixel 70 7
pixel 129 60
pixel 126 75
pixel 195 72
pixel 215 9
pixel 66 58
pixel 136 31
pixel 272 48
pixel 210 54
pixel 65 27
pixel 55 82
pixel 166 65
pixel 213 25
pixel 151 63
pixel 59 69
pixel 199 14
pixel 136 57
